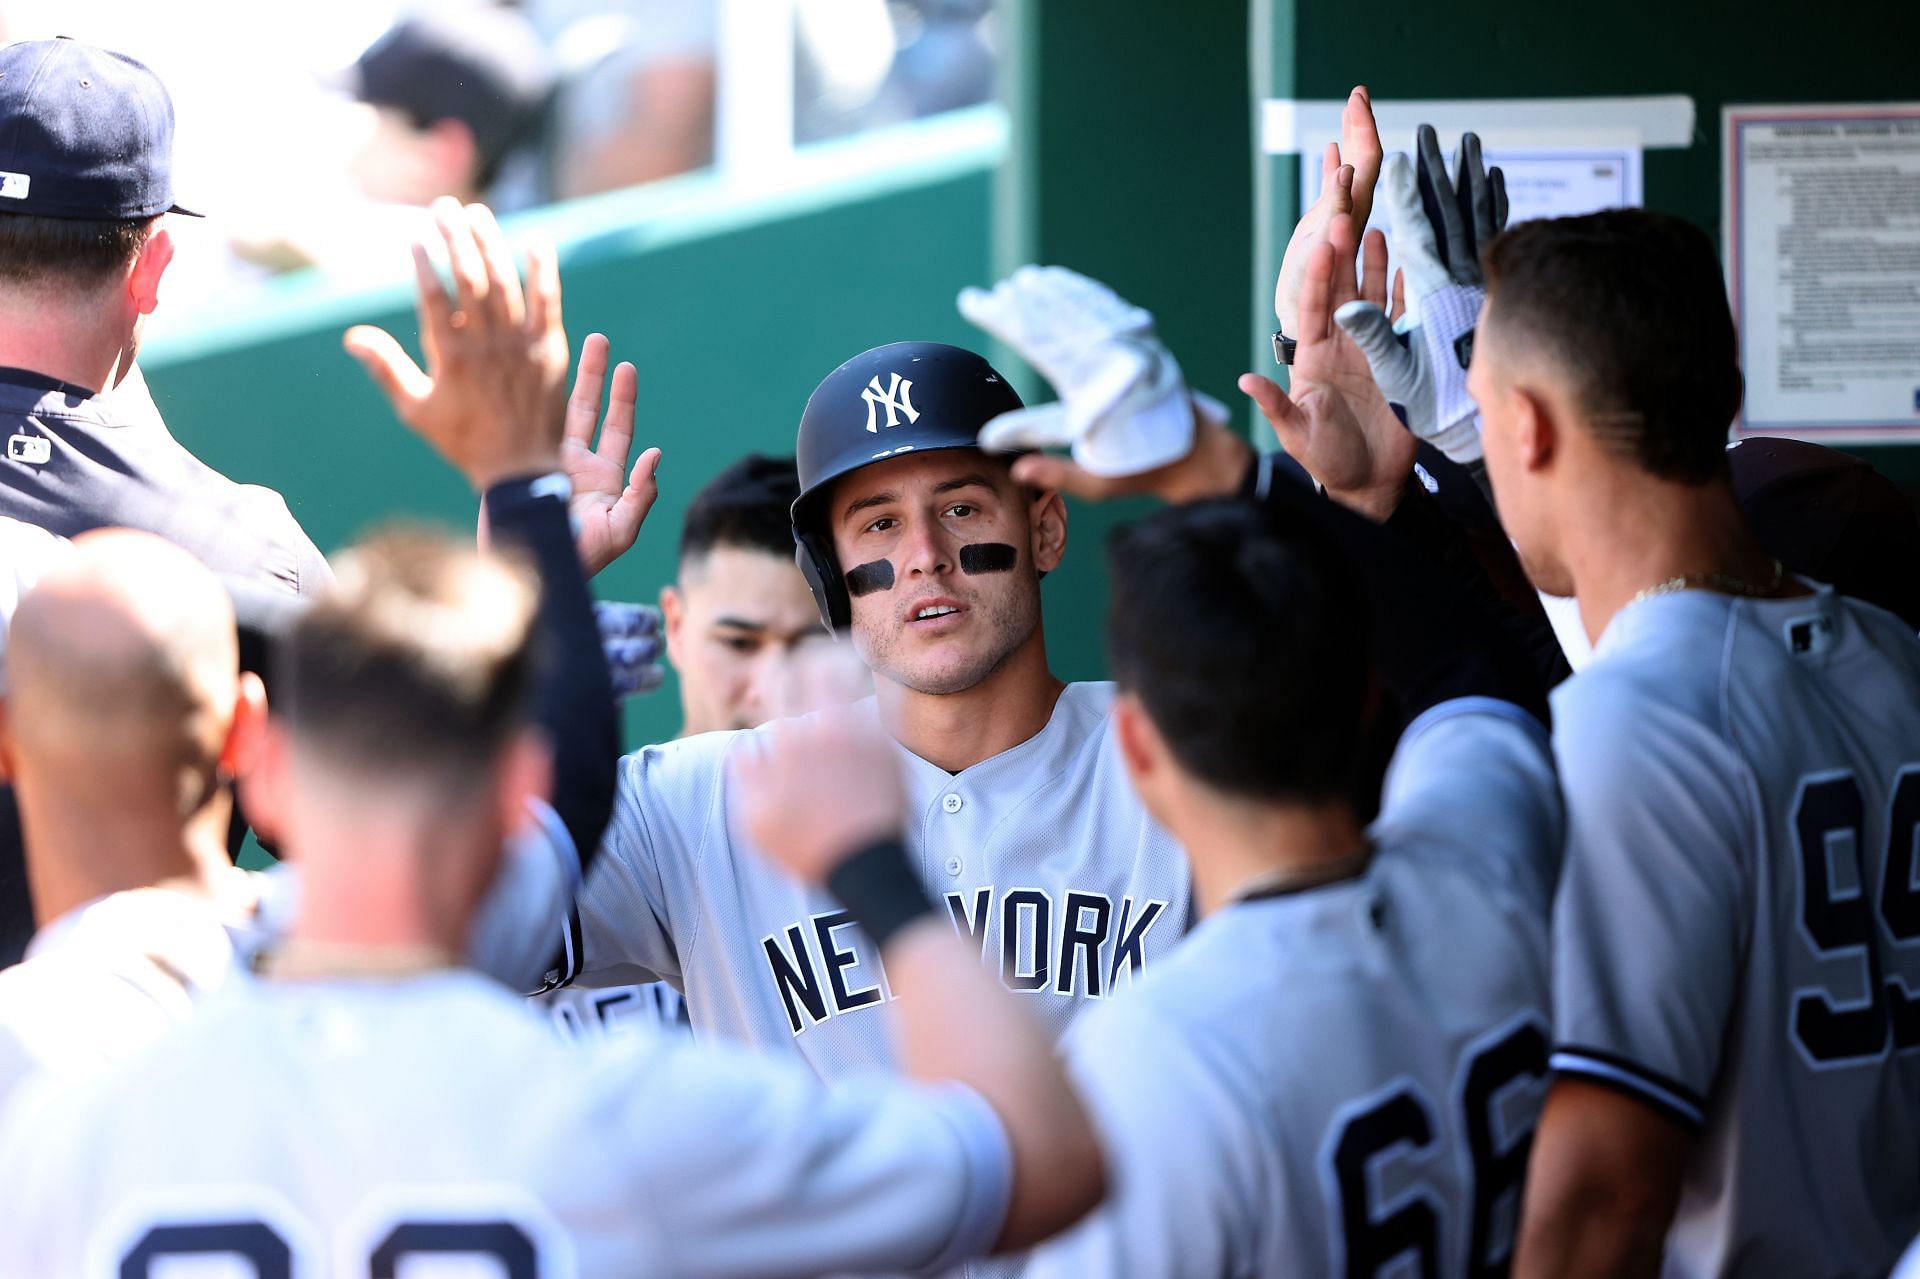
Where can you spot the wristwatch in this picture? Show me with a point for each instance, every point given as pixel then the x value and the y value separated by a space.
pixel 1283 347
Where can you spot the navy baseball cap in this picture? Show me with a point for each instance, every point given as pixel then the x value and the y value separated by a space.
pixel 85 134
pixel 484 67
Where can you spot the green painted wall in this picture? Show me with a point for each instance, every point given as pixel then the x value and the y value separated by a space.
pixel 1130 161
pixel 732 307
pixel 1718 52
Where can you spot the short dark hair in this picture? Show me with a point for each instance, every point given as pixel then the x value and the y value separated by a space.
pixel 73 250
pixel 1243 632
pixel 749 505
pixel 414 663
pixel 1631 308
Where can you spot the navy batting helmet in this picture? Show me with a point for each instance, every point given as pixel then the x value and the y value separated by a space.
pixel 906 397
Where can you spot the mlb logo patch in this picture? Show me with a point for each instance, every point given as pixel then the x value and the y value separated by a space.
pixel 1809 636
pixel 14 186
pixel 35 449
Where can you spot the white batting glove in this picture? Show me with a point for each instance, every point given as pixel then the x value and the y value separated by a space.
pixel 1423 365
pixel 1124 406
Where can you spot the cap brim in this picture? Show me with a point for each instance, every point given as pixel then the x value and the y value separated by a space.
pixel 185 212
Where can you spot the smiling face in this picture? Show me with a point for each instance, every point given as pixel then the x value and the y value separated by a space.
pixel 936 607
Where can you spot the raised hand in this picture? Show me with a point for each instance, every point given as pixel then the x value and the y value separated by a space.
pixel 490 398
pixel 609 503
pixel 1124 407
pixel 1440 225
pixel 1336 423
pixel 1348 172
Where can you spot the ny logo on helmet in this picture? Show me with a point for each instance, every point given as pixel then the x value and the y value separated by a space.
pixel 897 398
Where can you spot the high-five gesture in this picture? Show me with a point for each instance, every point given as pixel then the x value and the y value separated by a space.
pixel 1440 225
pixel 490 398
pixel 1348 171
pixel 1336 423
pixel 609 504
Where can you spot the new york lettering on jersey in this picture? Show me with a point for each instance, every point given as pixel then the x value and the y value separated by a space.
pixel 1042 855
pixel 1079 948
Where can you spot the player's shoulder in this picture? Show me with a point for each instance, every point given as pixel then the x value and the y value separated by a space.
pixel 1827 628
pixel 1090 699
pixel 1664 650
pixel 1220 970
pixel 682 780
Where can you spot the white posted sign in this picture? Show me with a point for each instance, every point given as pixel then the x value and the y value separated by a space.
pixel 1822 234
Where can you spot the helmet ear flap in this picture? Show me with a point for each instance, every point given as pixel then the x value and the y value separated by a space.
pixel 817 565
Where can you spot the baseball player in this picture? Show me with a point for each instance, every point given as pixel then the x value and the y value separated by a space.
pixel 390 1124
pixel 1411 955
pixel 1731 946
pixel 125 696
pixel 928 552
pixel 141 920
pixel 1735 953
pixel 737 619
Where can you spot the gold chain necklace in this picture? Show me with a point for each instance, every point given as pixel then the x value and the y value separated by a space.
pixel 1724 583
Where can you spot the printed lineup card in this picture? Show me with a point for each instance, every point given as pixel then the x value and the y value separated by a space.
pixel 1821 209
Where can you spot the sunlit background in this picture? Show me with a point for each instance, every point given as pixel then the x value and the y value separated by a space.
pixel 310 135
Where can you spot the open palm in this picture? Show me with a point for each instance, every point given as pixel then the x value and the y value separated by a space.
pixel 609 503
pixel 1335 422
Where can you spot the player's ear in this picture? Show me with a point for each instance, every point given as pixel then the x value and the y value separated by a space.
pixel 1047 517
pixel 263 788
pixel 1535 427
pixel 149 264
pixel 525 774
pixel 1135 735
pixel 673 618
pixel 242 747
pixel 6 743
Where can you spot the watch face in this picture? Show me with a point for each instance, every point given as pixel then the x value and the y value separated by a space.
pixel 1283 347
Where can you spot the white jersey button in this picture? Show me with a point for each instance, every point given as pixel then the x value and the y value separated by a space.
pixel 953 865
pixel 952 802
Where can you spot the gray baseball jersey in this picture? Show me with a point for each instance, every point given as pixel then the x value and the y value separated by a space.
pixel 108 977
pixel 403 1126
pixel 112 975
pixel 1042 854
pixel 1737 937
pixel 615 1009
pixel 1343 1080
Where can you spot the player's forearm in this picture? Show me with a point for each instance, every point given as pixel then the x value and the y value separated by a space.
pixel 958 1022
pixel 1602 1186
pixel 1582 1234
pixel 573 692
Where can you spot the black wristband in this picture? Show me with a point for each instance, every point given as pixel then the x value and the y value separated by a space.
pixel 880 890
pixel 509 496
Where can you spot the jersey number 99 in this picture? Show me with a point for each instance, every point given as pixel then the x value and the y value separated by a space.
pixel 1836 919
